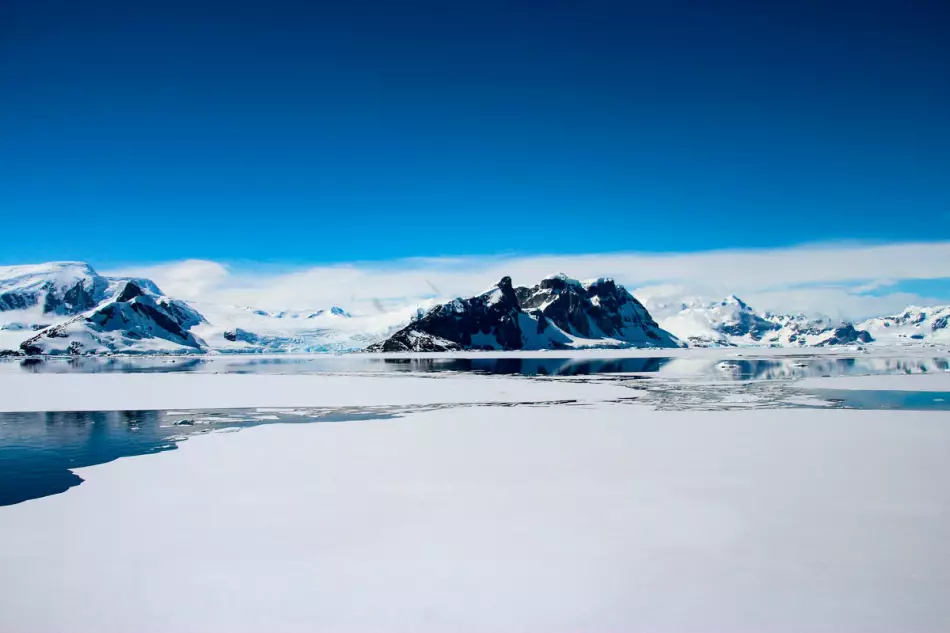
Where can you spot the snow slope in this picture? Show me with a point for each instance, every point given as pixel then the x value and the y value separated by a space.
pixel 58 288
pixel 538 519
pixel 36 296
pixel 248 330
pixel 133 321
pixel 67 307
pixel 732 322
pixel 913 325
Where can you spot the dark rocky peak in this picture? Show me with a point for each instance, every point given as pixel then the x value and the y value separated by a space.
pixel 603 287
pixel 563 301
pixel 734 300
pixel 508 299
pixel 845 334
pixel 560 283
pixel 490 320
pixel 130 291
pixel 556 313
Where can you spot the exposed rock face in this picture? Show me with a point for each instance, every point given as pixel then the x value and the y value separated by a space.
pixel 557 313
pixel 488 321
pixel 129 291
pixel 845 334
pixel 17 301
pixel 134 320
pixel 594 310
pixel 75 300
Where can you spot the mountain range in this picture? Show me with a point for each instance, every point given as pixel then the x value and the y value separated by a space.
pixel 731 322
pixel 68 308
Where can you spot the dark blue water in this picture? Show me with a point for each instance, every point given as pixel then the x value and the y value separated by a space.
pixel 886 399
pixel 38 450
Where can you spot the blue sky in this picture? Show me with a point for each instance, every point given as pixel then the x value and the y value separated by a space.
pixel 301 132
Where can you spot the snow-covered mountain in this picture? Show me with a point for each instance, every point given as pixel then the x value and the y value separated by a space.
pixel 732 322
pixel 914 325
pixel 58 288
pixel 558 313
pixel 134 320
pixel 68 308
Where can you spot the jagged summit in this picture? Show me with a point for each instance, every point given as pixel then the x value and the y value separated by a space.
pixel 68 307
pixel 559 312
pixel 559 279
pixel 129 291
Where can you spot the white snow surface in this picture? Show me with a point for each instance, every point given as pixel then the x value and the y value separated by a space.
pixel 914 325
pixel 599 518
pixel 732 322
pixel 323 330
pixel 29 276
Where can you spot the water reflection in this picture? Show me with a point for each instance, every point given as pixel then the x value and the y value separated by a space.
pixel 683 368
pixel 37 450
pixel 795 368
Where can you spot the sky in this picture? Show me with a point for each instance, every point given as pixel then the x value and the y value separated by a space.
pixel 279 137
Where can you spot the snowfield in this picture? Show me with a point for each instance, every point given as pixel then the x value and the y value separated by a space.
pixel 601 517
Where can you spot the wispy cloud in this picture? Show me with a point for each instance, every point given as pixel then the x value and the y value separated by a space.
pixel 830 279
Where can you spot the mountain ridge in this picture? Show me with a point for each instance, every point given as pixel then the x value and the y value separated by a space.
pixel 557 313
pixel 732 322
pixel 45 308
